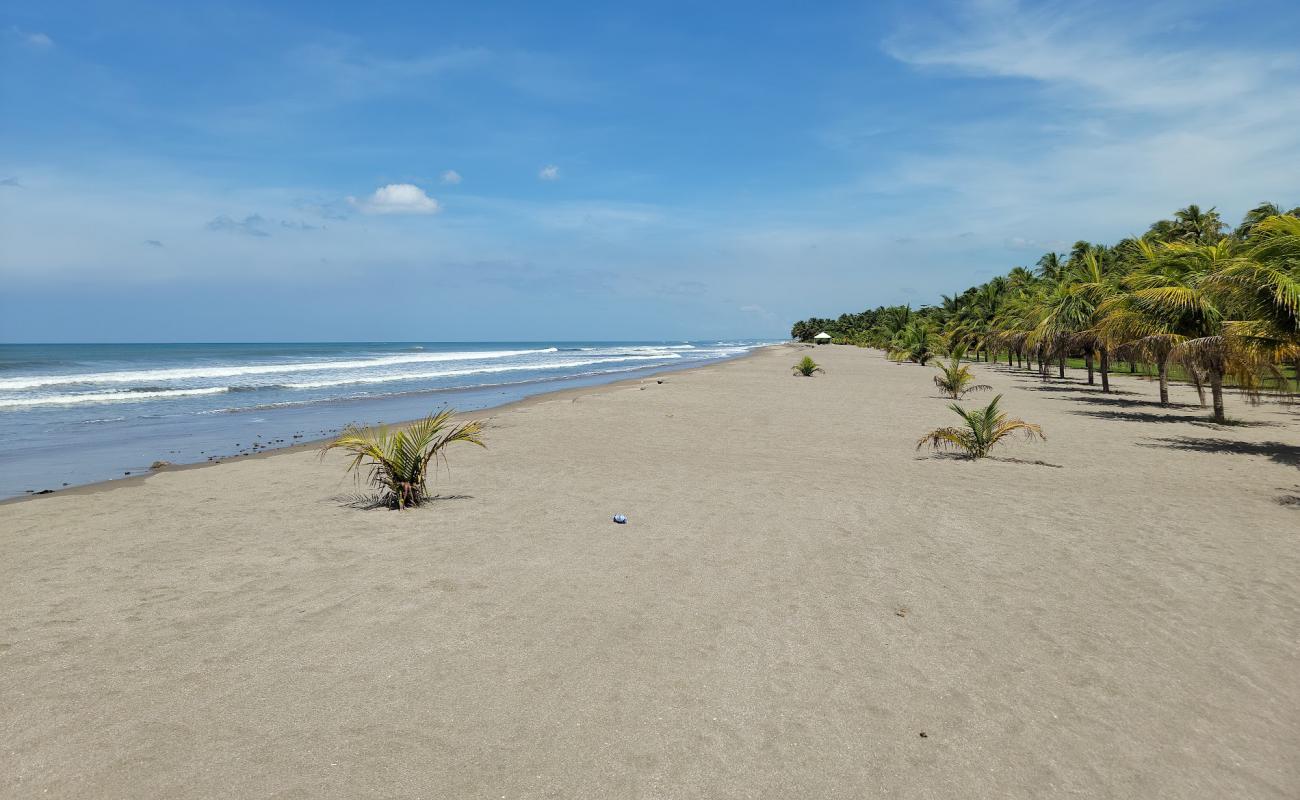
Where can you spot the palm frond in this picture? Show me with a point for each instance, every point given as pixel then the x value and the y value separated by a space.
pixel 947 439
pixel 399 461
pixel 807 367
pixel 985 427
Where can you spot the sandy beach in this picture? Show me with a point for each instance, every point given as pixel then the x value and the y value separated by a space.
pixel 800 606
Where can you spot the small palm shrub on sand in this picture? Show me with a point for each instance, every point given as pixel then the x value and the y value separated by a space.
pixel 807 367
pixel 399 460
pixel 984 428
pixel 955 379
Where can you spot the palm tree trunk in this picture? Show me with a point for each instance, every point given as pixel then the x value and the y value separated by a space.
pixel 1105 371
pixel 1087 362
pixel 1009 355
pixel 1060 366
pixel 1164 383
pixel 1132 367
pixel 1216 389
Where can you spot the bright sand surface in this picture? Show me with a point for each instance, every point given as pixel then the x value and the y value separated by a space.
pixel 797 598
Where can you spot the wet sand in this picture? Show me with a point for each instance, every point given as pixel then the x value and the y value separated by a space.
pixel 798 596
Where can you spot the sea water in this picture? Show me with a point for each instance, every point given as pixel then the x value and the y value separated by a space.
pixel 77 413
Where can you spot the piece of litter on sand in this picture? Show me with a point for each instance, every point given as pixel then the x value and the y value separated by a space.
pixel 620 519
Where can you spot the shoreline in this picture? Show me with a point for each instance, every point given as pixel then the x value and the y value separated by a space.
pixel 98 487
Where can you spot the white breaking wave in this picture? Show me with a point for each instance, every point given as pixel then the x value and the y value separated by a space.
pixel 150 376
pixel 368 396
pixel 105 397
pixel 452 373
pixel 377 370
pixel 638 348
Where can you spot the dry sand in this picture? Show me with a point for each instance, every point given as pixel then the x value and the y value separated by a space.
pixel 797 598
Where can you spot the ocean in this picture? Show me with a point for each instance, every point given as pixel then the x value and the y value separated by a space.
pixel 72 414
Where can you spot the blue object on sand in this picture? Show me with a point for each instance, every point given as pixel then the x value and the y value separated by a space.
pixel 620 519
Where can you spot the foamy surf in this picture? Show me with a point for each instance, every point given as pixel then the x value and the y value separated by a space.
pixel 453 373
pixel 198 373
pixel 107 397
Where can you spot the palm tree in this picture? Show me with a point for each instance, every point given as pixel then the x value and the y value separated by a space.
pixel 1077 252
pixel 803 330
pixel 1193 225
pixel 1070 312
pixel 916 342
pixel 1019 279
pixel 1012 326
pixel 986 304
pixel 1165 230
pixel 1050 266
pixel 1255 216
pixel 984 428
pixel 1264 289
pixel 889 322
pixel 954 379
pixel 1126 320
pixel 807 367
pixel 1181 304
pixel 399 461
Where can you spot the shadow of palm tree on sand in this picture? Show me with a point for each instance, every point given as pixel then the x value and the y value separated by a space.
pixel 1278 452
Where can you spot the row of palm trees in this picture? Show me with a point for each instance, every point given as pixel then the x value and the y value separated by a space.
pixel 1222 307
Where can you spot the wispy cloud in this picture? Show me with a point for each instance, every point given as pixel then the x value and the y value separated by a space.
pixel 350 73
pixel 397 198
pixel 298 225
pixel 1072 49
pixel 10 181
pixel 152 243
pixel 318 77
pixel 603 216
pixel 33 39
pixel 550 172
pixel 251 225
pixel 335 210
pixel 451 177
pixel 1119 119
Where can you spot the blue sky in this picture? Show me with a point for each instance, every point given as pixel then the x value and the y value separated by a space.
pixel 431 171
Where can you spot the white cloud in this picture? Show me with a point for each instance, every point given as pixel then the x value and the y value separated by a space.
pixel 550 172
pixel 34 39
pixel 1118 120
pixel 397 198
pixel 451 176
pixel 753 309
pixel 1135 66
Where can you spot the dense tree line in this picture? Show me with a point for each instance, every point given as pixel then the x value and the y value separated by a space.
pixel 1218 305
